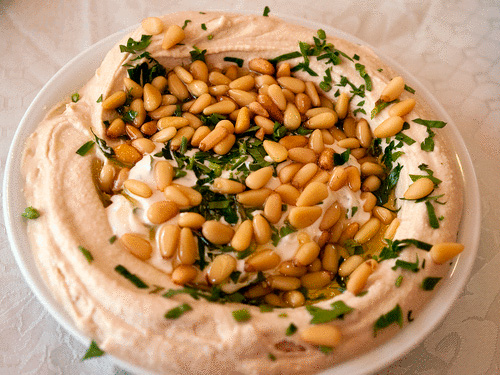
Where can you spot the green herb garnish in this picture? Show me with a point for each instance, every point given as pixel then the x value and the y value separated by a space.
pixel 380 105
pixel 428 143
pixel 134 279
pixel 241 315
pixel 86 254
pixel 99 99
pixel 339 309
pixel 393 316
pixel 266 308
pixel 362 72
pixel 235 60
pixel 429 283
pixel 185 24
pixel 292 328
pixel 176 312
pixel 266 11
pixel 325 349
pixel 409 89
pixel 203 26
pixel 413 267
pixel 399 280
pixel 135 46
pixel 75 97
pixel 30 213
pixel 394 248
pixel 197 54
pixel 112 239
pixel 93 351
pixel 86 147
pixel 271 356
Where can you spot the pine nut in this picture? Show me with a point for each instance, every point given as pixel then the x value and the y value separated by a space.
pixel 173 35
pixel 173 194
pixel 288 268
pixel 330 259
pixel 116 129
pixel 177 88
pixel 152 25
pixel 266 124
pixel 327 137
pixel 371 183
pixel 106 177
pixel 391 229
pixel 272 208
pixel 194 196
pixel 317 111
pixel 121 177
pixel 304 174
pixel 315 280
pixel 138 246
pixel 349 265
pixel 127 154
pixel 337 134
pixel 402 108
pixel 349 127
pixel 183 74
pixel 320 176
pixel 283 70
pixel 243 236
pixel 324 120
pixel 191 220
pixel 201 103
pixel 258 290
pixel 187 105
pixel 259 178
pixel 312 93
pixel 262 261
pixel 186 132
pixel 339 178
pixel 383 214
pixel 199 134
pixel 353 178
pixel 164 135
pixel 303 237
pixel 214 137
pixel 293 84
pixel 184 274
pixel 294 298
pixel 262 66
pixel 336 231
pixel 144 145
pixel 445 251
pixel 364 133
pixel 226 124
pixel 274 300
pixel 342 105
pixel 197 88
pixel 302 155
pixel 133 88
pixel 167 99
pixel 231 72
pixel 288 193
pixel 245 83
pixel 188 249
pixel 152 97
pixel 291 117
pixel 292 141
pixel 261 229
pixel 367 231
pixel 138 188
pixel 242 123
pixel 276 151
pixel 217 232
pixel 217 78
pixel 199 70
pixel 224 107
pixel 132 132
pixel 312 194
pixel 272 109
pixel 162 211
pixel 306 253
pixel 225 186
pixel 349 143
pixel 114 101
pixel 370 201
pixel 325 160
pixel 253 198
pixel 218 90
pixel 224 146
pixel 321 334
pixel 388 128
pixel 349 232
pixel 168 240
pixel 276 94
pixel 242 98
pixel 221 267
pixel 325 102
pixel 316 141
pixel 302 217
pixel 194 121
pixel 160 83
pixel 162 111
pixel 370 169
pixel 285 283
pixel 393 89
pixel 357 279
pixel 419 189
pixel 331 216
pixel 315 266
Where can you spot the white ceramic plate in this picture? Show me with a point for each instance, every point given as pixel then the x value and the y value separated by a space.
pixel 80 69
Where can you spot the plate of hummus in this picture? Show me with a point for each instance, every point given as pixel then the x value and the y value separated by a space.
pixel 222 193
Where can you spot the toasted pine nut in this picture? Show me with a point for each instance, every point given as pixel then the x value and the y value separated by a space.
pixel 162 211
pixel 306 253
pixel 152 25
pixel 191 220
pixel 243 236
pixel 133 88
pixel 162 111
pixel 337 134
pixel 121 177
pixel 357 279
pixel 327 137
pixel 224 146
pixel 261 66
pixel 226 186
pixel 302 217
pixel 184 274
pixel 266 124
pixel 391 229
pixel 342 105
pixel 317 111
pixel 419 189
pixel 221 267
pixel 173 35
pixel 393 89
pixel 312 194
pixel 276 94
pixel 106 177
pixel 367 231
pixel 330 259
pixel 349 127
pixel 370 201
pixel 194 121
pixel 197 88
pixel 144 145
pixel 283 282
pixel 183 74
pixel 193 195
pixel 138 188
pixel 217 232
pixel 188 249
pixel 168 240
pixel 164 135
pixel 294 298
pixel 293 84
pixel 242 98
pixel 276 151
pixel 303 237
pixel 272 208
pixel 168 99
pixel 259 178
pixel 152 97
pixel 325 120
pixel 325 160
pixel 242 123
pixel 172 193
pixel 321 334
pixel 291 117
pixel 304 174
pixel 262 261
pixel 218 90
pixel 116 129
pixel 445 251
pixel 269 105
pixel 138 246
pixel 283 70
pixel 177 88
pixel 115 100
pixel 331 216
pixel 320 176
pixel 217 78
pixel 261 229
pixel 353 178
pixel 390 127
pixel 287 172
pixel 316 280
pixel 292 141
pixel 160 83
pixel 132 132
pixel 371 183
pixel 245 83
pixel 339 178
pixel 402 108
pixel 349 232
pixel 201 103
pixel 264 79
pixel 199 134
pixel 288 193
pixel 364 133
pixel 383 214
pixel 288 268
pixel 253 198
pixel 199 70
pixel 224 107
pixel 127 154
pixel 302 155
pixel 274 300
pixel 214 137
pixel 185 132
pixel 370 169
pixel 349 265
pixel 358 153
pixel 316 141
pixel 349 143
pixel 258 290
pixel 313 94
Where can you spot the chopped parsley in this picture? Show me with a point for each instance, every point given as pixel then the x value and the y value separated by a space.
pixel 284 231
pixel 112 239
pixel 176 312
pixel 86 254
pixel 93 351
pixel 271 356
pixel 362 72
pixel 340 159
pixel 30 213
pixel 326 84
pixel 99 99
pixel 325 349
pixel 393 248
pixel 319 315
pixel 210 37
pixel 430 174
pixel 429 283
pixel 431 213
pixel 197 54
pixel 75 97
pixel 185 24
pixel 134 279
pixel 390 182
pixel 409 89
pixel 203 26
pixel 86 147
pixel 428 143
pixel 241 315
pixel 235 60
pixel 413 267
pixel 266 11
pixel 284 57
pixel 393 316
pixel 292 328
pixel 380 105
pixel 266 308
pixel 136 46
pixel 283 315
pixel 399 280
pixel 214 295
pixel 156 289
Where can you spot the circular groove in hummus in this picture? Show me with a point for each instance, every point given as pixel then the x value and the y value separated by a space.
pixel 210 324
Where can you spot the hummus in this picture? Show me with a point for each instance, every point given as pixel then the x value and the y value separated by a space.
pixel 118 298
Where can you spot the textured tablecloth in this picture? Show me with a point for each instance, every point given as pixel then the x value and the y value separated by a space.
pixel 452 47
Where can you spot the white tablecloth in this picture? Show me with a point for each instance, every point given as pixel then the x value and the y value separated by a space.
pixel 452 46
